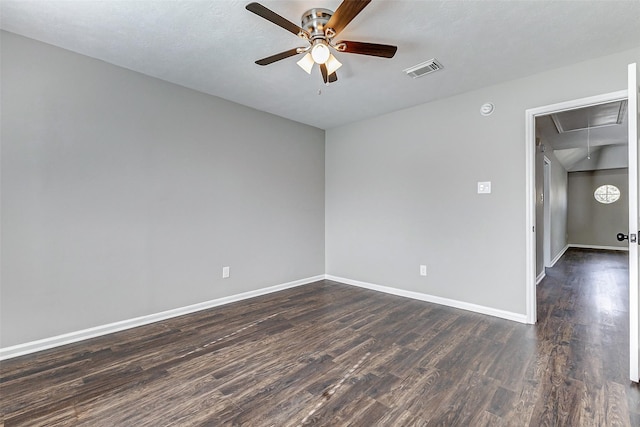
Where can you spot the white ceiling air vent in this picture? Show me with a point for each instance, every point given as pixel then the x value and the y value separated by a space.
pixel 424 68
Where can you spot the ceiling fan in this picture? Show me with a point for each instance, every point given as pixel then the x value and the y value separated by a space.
pixel 319 27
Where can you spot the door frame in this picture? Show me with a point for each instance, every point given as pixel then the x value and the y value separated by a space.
pixel 546 211
pixel 634 303
pixel 530 183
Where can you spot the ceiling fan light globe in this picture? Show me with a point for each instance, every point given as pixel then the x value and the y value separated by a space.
pixel 320 53
pixel 306 63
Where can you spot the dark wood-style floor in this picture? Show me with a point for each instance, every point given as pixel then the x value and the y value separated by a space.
pixel 331 354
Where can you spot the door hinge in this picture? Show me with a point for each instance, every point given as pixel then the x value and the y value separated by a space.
pixel 533 228
pixel 632 238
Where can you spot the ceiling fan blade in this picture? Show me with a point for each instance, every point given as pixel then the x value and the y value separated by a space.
pixel 270 15
pixel 327 78
pixel 345 13
pixel 277 57
pixel 371 49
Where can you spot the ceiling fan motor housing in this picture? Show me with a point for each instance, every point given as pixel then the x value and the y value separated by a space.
pixel 314 22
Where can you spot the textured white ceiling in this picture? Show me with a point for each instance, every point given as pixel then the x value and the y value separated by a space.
pixel 211 46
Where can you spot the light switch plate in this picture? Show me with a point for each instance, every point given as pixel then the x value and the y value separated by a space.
pixel 484 187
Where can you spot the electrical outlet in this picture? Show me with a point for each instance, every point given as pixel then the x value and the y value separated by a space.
pixel 225 272
pixel 423 270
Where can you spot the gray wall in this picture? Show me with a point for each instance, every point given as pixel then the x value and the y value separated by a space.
pixel 557 200
pixel 594 223
pixel 123 195
pixel 401 188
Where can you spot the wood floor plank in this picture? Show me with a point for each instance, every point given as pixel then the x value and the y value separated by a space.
pixel 471 398
pixel 331 354
pixel 487 419
pixel 519 410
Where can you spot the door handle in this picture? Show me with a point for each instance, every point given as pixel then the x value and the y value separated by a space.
pixel 631 237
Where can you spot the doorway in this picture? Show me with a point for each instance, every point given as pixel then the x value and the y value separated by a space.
pixel 530 166
pixel 583 148
pixel 531 200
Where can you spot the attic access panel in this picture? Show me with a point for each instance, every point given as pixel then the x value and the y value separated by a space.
pixel 612 113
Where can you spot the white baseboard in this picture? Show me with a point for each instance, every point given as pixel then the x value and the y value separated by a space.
pixel 69 338
pixel 516 317
pixel 557 258
pixel 606 248
pixel 72 337
pixel 553 262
